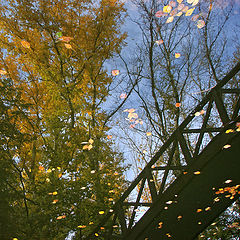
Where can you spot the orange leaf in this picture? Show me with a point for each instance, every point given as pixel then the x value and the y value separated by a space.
pixel 25 44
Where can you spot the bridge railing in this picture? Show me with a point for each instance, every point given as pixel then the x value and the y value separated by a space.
pixel 180 150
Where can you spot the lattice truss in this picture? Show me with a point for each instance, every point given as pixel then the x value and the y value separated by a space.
pixel 219 107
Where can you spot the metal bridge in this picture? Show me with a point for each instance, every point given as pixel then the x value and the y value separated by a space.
pixel 191 180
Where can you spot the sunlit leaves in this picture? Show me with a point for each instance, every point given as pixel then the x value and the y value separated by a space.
pixel 61 217
pixel 160 13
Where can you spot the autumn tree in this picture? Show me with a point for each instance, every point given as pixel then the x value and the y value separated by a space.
pixel 59 169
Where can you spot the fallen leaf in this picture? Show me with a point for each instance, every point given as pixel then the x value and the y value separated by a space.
pixel 227 146
pixel 158 42
pixel 167 9
pixel 81 226
pixel 189 12
pixel 3 72
pixel 25 44
pixel 160 14
pixel 178 104
pixel 65 39
pixel 177 55
pixel 115 72
pixel 123 95
pixel 68 46
pixel 200 24
pixel 170 19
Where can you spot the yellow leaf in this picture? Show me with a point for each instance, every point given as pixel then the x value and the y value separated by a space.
pixel 49 170
pixel 54 193
pixel 101 212
pixel 68 46
pixel 90 147
pixel 179 14
pixel 177 55
pixel 197 172
pixel 148 134
pixel 179 1
pixel 61 217
pixel 81 226
pixel 229 131
pixel 189 11
pixel 167 9
pixel 25 44
pixel 90 141
pixel 85 147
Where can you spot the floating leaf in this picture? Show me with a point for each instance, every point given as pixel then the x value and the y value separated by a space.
pixel 172 3
pixel 199 210
pixel 178 104
pixel 185 9
pixel 179 14
pixel 61 217
pixel 195 17
pixel 68 46
pixel 115 72
pixel 101 212
pixel 54 193
pixel 158 42
pixel 177 55
pixel 59 34
pixel 123 95
pixel 195 2
pixel 81 226
pixel 228 181
pixel 25 44
pixel 207 208
pixel 160 14
pixel 96 234
pixel 189 12
pixel 179 217
pixel 109 136
pixel 227 146
pixel 132 115
pixel 170 19
pixel 167 9
pixel 197 172
pixel 55 201
pixel 41 168
pixel 180 6
pixel 160 225
pixel 3 72
pixel 65 39
pixel 200 24
pixel 229 131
